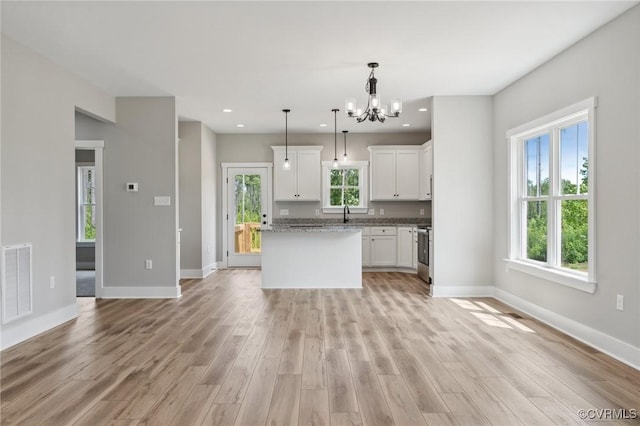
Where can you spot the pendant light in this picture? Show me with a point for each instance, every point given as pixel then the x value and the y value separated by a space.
pixel 344 157
pixel 286 165
pixel 335 137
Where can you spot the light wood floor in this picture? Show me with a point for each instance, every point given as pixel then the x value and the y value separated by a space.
pixel 229 353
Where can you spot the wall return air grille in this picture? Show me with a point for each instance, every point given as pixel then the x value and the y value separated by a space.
pixel 17 287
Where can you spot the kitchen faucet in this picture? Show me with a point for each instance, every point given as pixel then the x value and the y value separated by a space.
pixel 345 212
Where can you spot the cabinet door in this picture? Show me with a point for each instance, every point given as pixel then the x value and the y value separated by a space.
pixel 366 256
pixel 407 175
pixel 414 255
pixel 428 167
pixel 383 251
pixel 405 247
pixel 383 175
pixel 284 181
pixel 308 170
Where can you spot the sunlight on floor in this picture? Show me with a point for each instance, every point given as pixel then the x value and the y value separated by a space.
pixel 494 318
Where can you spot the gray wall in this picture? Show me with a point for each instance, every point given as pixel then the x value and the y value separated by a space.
pixel 38 176
pixel 606 64
pixel 209 179
pixel 462 191
pixel 257 148
pixel 140 148
pixel 190 189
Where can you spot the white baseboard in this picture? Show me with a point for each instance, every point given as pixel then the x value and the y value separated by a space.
pixel 622 351
pixel 141 292
pixel 191 273
pixel 13 334
pixel 461 290
pixel 389 269
pixel 198 273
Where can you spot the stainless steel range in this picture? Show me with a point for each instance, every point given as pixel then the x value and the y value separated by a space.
pixel 423 253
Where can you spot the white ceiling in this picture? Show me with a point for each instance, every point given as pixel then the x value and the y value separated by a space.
pixel 260 57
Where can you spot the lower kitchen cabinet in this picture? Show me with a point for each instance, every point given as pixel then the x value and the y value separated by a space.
pixel 366 247
pixel 383 246
pixel 405 250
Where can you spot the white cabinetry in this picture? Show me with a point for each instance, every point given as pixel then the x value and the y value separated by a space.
pixel 395 172
pixel 405 247
pixel 302 181
pixel 366 244
pixel 383 246
pixel 426 171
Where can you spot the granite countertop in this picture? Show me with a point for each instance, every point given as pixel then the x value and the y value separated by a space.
pixel 312 228
pixel 353 222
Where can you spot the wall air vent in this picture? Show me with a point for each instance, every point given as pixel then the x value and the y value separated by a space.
pixel 17 287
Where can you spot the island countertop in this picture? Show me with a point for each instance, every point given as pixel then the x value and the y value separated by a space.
pixel 313 228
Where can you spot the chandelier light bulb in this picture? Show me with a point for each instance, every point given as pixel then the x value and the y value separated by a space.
pixel 374 111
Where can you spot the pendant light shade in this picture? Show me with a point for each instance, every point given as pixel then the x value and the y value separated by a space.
pixel 344 133
pixel 335 137
pixel 286 165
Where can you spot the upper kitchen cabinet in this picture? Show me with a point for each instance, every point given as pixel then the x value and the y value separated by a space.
pixel 395 172
pixel 302 181
pixel 426 171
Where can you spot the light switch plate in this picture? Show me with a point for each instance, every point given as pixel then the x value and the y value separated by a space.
pixel 162 201
pixel 284 212
pixel 381 212
pixel 371 212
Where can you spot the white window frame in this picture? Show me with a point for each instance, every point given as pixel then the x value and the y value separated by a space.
pixel 363 181
pixel 80 167
pixel 584 110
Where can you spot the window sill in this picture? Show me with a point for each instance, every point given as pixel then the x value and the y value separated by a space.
pixel 341 210
pixel 565 278
pixel 85 243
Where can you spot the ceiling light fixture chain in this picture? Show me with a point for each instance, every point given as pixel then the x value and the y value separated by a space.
pixel 286 165
pixel 375 110
pixel 335 137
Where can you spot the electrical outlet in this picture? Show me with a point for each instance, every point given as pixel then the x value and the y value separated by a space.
pixel 421 212
pixel 148 264
pixel 620 302
pixel 371 212
pixel 381 212
pixel 317 212
pixel 284 212
pixel 52 282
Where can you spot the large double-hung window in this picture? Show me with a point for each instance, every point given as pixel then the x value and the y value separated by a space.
pixel 552 207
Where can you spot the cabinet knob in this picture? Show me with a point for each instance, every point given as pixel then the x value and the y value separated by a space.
pixel 264 215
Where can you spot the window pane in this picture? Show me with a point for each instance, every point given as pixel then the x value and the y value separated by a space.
pixel 335 196
pixel 537 230
pixel 575 247
pixel 88 223
pixel 336 177
pixel 248 207
pixel 351 177
pixel 574 159
pixel 352 196
pixel 536 162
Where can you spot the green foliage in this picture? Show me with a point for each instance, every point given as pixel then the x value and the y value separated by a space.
pixel 574 224
pixel 248 198
pixel 344 187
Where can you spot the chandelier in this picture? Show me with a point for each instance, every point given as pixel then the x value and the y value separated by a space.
pixel 374 110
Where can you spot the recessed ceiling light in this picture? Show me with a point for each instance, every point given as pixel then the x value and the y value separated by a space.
pixel 323 125
pixel 227 110
pixel 422 109
pixel 239 125
pixel 406 125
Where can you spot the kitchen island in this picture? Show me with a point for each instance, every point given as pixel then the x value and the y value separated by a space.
pixel 312 257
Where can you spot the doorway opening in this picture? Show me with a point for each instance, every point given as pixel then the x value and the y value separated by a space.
pixel 89 223
pixel 247 207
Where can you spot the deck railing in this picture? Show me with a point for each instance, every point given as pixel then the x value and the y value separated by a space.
pixel 247 237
